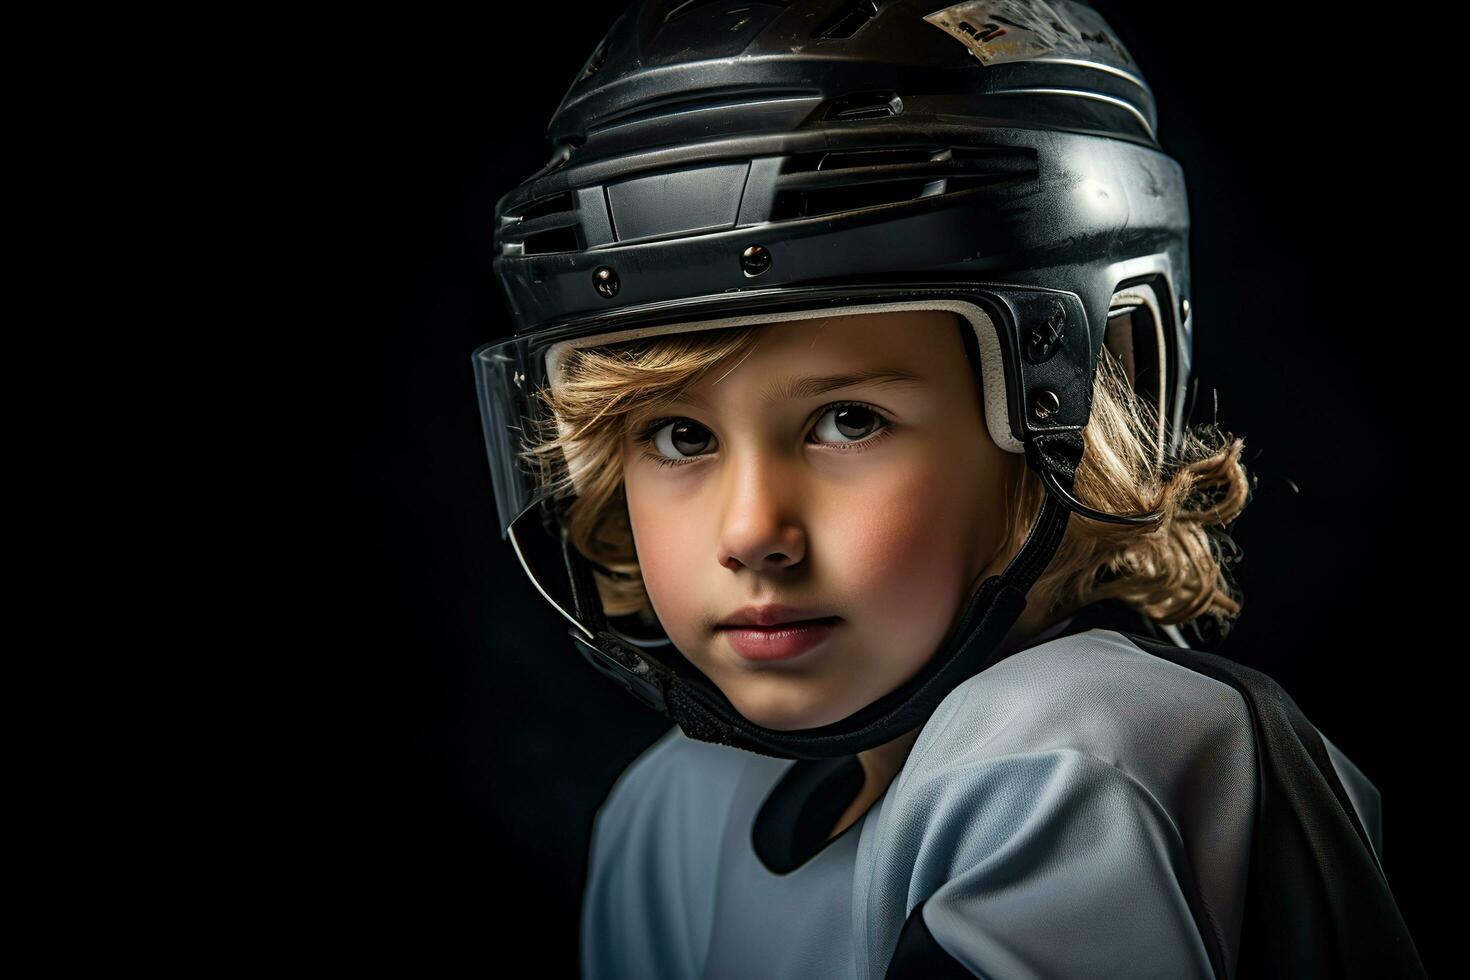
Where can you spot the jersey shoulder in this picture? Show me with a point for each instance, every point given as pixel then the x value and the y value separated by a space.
pixel 1096 693
pixel 1088 777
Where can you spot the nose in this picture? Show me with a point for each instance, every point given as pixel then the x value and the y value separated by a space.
pixel 760 529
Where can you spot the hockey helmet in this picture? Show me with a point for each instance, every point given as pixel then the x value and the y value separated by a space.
pixel 719 165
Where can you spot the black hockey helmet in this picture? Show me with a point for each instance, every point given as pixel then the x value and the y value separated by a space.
pixel 721 164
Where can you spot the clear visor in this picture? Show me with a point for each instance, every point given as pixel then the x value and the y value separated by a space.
pixel 510 373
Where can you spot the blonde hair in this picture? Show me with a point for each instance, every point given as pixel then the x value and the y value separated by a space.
pixel 1173 573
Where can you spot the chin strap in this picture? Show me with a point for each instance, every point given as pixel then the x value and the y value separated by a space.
pixel 672 685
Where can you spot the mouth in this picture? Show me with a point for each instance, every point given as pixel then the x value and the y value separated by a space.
pixel 785 624
pixel 778 641
pixel 771 614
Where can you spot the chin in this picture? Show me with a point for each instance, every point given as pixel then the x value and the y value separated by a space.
pixel 787 714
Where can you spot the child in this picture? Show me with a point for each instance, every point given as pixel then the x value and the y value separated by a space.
pixel 830 317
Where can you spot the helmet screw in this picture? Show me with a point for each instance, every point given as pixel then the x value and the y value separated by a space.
pixel 1045 404
pixel 605 280
pixel 755 260
pixel 1184 309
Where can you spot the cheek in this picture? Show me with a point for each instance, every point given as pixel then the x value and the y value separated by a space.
pixel 907 564
pixel 665 560
pixel 904 560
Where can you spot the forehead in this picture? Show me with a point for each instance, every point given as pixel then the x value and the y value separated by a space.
pixel 875 319
pixel 800 360
pixel 907 335
pixel 807 357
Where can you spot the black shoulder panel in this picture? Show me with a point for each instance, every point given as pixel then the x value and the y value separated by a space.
pixel 1317 902
pixel 919 957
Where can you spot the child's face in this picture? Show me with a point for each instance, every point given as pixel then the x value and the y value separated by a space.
pixel 794 502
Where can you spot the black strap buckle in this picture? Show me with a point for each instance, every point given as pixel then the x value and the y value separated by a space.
pixel 629 670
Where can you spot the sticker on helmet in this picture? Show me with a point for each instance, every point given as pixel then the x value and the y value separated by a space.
pixel 998 31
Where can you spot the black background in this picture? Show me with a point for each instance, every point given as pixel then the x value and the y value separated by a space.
pixel 481 745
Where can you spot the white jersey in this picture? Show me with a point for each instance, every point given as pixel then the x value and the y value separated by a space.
pixel 1081 808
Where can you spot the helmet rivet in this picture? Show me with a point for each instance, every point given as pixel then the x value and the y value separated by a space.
pixel 755 260
pixel 606 281
pixel 1184 309
pixel 1045 404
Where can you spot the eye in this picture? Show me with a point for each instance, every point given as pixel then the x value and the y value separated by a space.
pixel 680 439
pixel 676 441
pixel 848 423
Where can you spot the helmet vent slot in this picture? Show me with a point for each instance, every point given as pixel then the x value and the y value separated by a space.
pixel 848 20
pixel 834 200
pixel 556 240
pixel 831 182
pixel 866 105
pixel 546 225
pixel 543 206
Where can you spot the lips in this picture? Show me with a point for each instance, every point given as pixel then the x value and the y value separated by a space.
pixel 781 640
pixel 778 627
pixel 771 615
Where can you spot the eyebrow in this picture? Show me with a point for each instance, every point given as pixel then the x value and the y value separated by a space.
pixel 812 386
